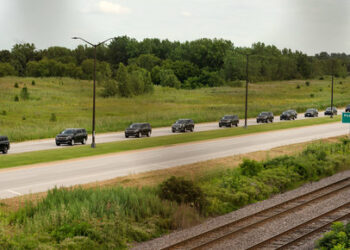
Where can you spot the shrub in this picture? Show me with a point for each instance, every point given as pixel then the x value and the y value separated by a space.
pixel 321 89
pixel 25 93
pixel 16 85
pixel 16 98
pixel 24 118
pixel 33 83
pixel 4 112
pixel 53 117
pixel 250 167
pixel 307 83
pixel 298 86
pixel 312 95
pixel 182 191
pixel 321 78
pixel 340 82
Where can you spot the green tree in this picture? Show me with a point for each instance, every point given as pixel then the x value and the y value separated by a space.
pixel 169 79
pixel 7 69
pixel 21 54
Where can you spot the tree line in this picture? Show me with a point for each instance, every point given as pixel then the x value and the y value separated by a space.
pixel 130 67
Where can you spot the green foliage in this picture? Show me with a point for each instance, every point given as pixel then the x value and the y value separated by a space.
pixel 250 167
pixel 6 69
pixel 4 112
pixel 53 117
pixel 312 95
pixel 16 85
pixel 298 86
pixel 337 238
pixel 182 191
pixel 167 78
pixel 24 93
pixel 97 218
pixel 33 83
pixel 16 98
pixel 307 83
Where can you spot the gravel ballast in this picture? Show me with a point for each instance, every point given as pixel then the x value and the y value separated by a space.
pixel 259 235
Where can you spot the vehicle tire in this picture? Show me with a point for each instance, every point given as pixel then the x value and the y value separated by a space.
pixel 220 126
pixel 58 144
pixel 173 130
pixel 148 134
pixel 236 125
pixel 5 151
pixel 72 142
pixel 139 134
pixel 83 141
pixel 191 129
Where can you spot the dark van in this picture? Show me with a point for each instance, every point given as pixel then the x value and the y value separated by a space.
pixel 4 144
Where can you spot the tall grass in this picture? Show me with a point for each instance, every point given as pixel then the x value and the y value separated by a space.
pixel 71 102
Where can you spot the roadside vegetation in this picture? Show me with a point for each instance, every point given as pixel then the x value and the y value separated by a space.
pixel 43 109
pixel 116 217
pixel 65 153
pixel 338 238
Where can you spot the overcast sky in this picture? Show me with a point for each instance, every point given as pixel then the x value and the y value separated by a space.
pixel 311 26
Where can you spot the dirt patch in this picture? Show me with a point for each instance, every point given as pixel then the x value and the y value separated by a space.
pixel 192 171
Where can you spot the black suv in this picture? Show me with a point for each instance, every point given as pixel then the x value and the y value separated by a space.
pixel 4 144
pixel 229 121
pixel 330 111
pixel 289 115
pixel 265 117
pixel 347 108
pixel 71 136
pixel 138 129
pixel 311 113
pixel 182 125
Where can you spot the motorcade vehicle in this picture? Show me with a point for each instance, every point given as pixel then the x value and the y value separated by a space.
pixel 229 121
pixel 265 117
pixel 289 115
pixel 4 144
pixel 331 111
pixel 182 125
pixel 347 108
pixel 311 113
pixel 138 130
pixel 71 136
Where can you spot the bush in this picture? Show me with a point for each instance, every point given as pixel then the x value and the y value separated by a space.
pixel 16 98
pixel 312 95
pixel 24 118
pixel 182 191
pixel 250 167
pixel 53 117
pixel 24 93
pixel 4 112
pixel 16 85
pixel 33 83
pixel 298 86
pixel 307 83
pixel 321 78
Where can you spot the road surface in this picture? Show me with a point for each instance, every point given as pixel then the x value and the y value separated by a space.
pixel 36 145
pixel 14 182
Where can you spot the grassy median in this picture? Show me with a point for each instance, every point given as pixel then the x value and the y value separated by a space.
pixel 115 147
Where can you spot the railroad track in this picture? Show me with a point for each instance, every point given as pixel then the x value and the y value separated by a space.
pixel 237 228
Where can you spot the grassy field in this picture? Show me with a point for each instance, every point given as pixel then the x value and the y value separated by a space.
pixel 121 146
pixel 116 217
pixel 70 100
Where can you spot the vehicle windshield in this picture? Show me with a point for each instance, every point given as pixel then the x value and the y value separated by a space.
pixel 227 117
pixel 329 109
pixel 285 113
pixel 291 111
pixel 310 110
pixel 180 121
pixel 136 125
pixel 264 113
pixel 68 132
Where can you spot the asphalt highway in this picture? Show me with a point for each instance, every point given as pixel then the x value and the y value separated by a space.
pixel 46 144
pixel 32 179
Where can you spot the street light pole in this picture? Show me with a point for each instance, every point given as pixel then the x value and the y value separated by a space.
pixel 93 144
pixel 246 93
pixel 332 95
